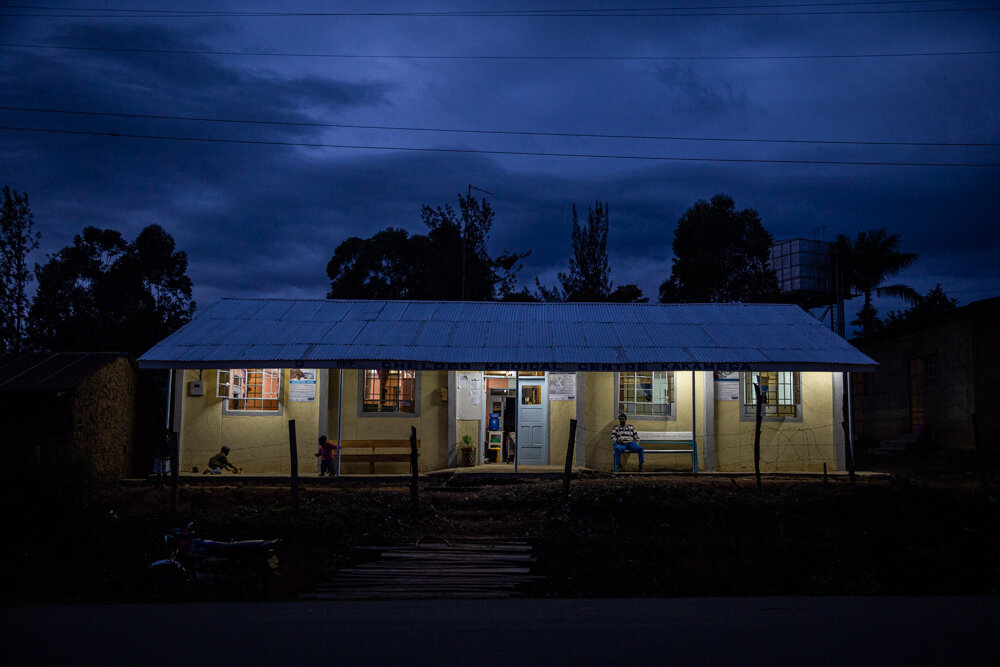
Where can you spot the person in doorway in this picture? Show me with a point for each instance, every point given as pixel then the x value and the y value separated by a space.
pixel 220 462
pixel 327 455
pixel 624 438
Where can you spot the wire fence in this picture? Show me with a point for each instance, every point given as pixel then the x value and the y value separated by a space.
pixel 783 446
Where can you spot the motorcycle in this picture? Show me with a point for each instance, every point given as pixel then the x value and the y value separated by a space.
pixel 241 568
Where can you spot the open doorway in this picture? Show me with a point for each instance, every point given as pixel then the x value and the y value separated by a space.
pixel 501 418
pixel 515 428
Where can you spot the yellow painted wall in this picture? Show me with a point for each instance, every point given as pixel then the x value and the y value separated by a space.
pixel 259 441
pixel 784 446
pixel 432 423
pixel 560 412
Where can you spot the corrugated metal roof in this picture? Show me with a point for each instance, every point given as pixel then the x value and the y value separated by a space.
pixel 322 333
pixel 45 371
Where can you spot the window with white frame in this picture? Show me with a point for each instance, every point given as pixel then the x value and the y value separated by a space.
pixel 780 393
pixel 389 391
pixel 646 393
pixel 250 389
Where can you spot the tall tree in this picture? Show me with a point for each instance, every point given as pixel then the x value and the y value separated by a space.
pixel 720 255
pixel 868 262
pixel 104 293
pixel 17 240
pixel 393 264
pixel 589 275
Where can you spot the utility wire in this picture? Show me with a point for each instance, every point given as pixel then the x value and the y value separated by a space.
pixel 470 151
pixel 673 12
pixel 583 135
pixel 499 12
pixel 280 54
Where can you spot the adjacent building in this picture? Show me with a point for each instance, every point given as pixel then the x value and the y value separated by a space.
pixel 92 408
pixel 933 376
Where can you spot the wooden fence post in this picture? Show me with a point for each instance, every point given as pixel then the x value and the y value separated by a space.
pixel 569 459
pixel 414 489
pixel 294 452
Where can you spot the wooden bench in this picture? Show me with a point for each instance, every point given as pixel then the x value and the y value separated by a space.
pixel 679 442
pixel 375 451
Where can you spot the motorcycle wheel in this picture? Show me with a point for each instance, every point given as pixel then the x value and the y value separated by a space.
pixel 163 582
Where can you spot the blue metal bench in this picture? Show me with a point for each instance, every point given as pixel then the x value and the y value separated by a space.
pixel 679 442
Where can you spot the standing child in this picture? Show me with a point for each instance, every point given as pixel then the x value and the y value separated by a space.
pixel 326 454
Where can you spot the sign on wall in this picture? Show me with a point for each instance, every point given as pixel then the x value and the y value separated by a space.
pixel 302 385
pixel 562 386
pixel 470 395
pixel 727 385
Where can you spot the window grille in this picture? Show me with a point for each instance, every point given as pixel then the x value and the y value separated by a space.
pixel 250 389
pixel 779 389
pixel 646 393
pixel 389 391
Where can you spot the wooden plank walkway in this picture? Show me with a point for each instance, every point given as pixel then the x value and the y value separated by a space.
pixel 434 568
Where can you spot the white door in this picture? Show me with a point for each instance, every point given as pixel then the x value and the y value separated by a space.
pixel 532 422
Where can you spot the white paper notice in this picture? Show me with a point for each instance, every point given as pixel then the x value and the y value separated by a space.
pixel 562 386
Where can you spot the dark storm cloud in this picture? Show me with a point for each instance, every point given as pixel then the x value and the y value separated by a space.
pixel 264 220
pixel 184 84
pixel 693 94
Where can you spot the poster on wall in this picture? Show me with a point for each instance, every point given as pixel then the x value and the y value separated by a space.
pixel 475 390
pixel 468 403
pixel 562 386
pixel 727 386
pixel 302 385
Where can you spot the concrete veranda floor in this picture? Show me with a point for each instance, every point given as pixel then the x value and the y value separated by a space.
pixel 479 473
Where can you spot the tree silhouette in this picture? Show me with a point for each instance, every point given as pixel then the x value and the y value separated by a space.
pixel 105 294
pixel 589 275
pixel 17 240
pixel 393 264
pixel 928 305
pixel 869 261
pixel 720 255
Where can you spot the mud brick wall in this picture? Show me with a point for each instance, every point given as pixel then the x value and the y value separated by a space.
pixel 104 418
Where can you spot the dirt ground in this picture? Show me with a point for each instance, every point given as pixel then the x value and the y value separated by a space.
pixel 616 536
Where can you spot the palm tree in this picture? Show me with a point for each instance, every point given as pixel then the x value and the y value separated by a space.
pixel 869 261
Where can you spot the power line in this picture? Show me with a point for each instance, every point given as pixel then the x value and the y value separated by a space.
pixel 673 12
pixel 471 151
pixel 499 12
pixel 281 54
pixel 583 135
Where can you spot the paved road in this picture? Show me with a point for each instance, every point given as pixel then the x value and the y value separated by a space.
pixel 512 633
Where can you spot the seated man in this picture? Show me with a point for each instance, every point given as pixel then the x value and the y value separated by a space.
pixel 220 462
pixel 624 438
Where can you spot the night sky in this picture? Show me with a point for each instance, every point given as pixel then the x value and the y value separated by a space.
pixel 768 102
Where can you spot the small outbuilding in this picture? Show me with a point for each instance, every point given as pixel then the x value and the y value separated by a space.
pixel 79 406
pixel 507 378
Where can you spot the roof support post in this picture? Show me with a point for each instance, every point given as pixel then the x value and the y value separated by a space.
pixel 694 423
pixel 340 417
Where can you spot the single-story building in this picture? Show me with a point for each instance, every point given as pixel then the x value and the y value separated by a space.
pixel 934 374
pixel 510 376
pixel 86 407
